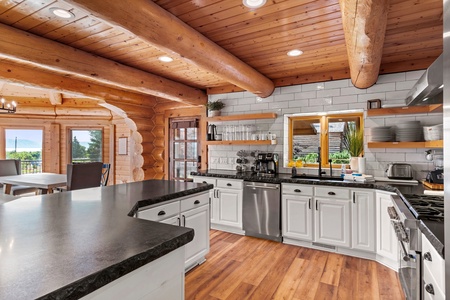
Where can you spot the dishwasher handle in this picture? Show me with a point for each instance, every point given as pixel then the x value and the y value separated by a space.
pixel 262 187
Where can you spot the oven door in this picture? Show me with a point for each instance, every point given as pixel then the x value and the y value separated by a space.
pixel 409 271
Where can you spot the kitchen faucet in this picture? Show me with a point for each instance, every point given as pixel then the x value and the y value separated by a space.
pixel 319 160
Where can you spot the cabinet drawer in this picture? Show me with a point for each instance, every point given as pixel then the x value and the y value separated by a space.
pixel 297 189
pixel 230 184
pixel 437 263
pixel 194 201
pixel 160 212
pixel 203 179
pixel 429 281
pixel 332 192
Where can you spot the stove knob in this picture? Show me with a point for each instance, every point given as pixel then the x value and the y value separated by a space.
pixel 427 256
pixel 429 288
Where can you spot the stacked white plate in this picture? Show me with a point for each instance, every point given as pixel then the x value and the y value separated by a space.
pixel 410 131
pixel 381 134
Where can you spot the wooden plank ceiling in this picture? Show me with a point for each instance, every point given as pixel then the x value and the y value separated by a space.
pixel 260 38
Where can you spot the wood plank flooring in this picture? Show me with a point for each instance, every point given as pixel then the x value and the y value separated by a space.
pixel 240 267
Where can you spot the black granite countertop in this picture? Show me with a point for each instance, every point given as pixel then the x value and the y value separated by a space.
pixel 433 231
pixel 66 245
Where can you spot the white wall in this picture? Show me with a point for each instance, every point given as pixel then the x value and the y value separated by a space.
pixel 336 95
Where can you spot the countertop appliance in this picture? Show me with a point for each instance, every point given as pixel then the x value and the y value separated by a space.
pixel 405 215
pixel 266 163
pixel 261 212
pixel 436 176
pixel 399 171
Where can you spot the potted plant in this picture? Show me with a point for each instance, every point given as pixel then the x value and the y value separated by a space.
pixel 354 142
pixel 214 107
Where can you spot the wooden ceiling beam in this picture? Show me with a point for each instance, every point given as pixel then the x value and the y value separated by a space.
pixel 155 25
pixel 55 98
pixel 364 23
pixel 14 73
pixel 24 48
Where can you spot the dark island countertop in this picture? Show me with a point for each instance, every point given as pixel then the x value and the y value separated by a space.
pixel 433 231
pixel 66 245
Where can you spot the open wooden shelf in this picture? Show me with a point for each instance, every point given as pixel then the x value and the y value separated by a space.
pixel 242 117
pixel 433 108
pixel 427 144
pixel 265 142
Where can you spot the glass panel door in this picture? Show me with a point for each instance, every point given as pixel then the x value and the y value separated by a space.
pixel 184 155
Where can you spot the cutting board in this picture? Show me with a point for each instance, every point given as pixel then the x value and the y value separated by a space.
pixel 433 186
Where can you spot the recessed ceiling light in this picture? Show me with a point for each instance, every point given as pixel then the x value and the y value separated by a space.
pixel 425 99
pixel 165 58
pixel 62 13
pixel 253 3
pixel 295 52
pixel 441 86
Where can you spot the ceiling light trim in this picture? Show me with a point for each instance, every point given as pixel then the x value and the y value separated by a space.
pixel 62 13
pixel 254 3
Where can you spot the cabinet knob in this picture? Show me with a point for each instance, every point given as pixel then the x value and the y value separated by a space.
pixel 429 288
pixel 332 193
pixel 427 256
pixel 204 182
pixel 161 213
pixel 196 202
pixel 228 184
pixel 297 191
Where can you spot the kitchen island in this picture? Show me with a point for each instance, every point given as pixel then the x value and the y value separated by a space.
pixel 68 245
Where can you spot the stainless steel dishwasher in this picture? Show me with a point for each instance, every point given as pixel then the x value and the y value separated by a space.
pixel 261 210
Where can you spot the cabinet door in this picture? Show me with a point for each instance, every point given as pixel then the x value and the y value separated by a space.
pixel 387 244
pixel 363 220
pixel 332 222
pixel 230 207
pixel 172 221
pixel 297 217
pixel 198 219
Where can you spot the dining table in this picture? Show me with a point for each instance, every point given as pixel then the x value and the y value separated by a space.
pixel 45 182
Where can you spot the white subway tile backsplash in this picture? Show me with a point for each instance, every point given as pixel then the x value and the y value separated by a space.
pixel 283 97
pixel 384 87
pixel 414 75
pixel 337 84
pixel 305 95
pixel 313 86
pixel 405 85
pixel 391 89
pixel 385 78
pixel 345 99
pixel 290 89
pixel 352 91
pixel 328 93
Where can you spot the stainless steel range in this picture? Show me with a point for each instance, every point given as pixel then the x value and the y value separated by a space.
pixel 405 217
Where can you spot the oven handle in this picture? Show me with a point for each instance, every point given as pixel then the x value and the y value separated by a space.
pixel 406 255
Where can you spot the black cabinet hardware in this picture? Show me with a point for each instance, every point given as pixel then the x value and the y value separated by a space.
pixel 196 202
pixel 297 191
pixel 332 193
pixel 228 184
pixel 429 288
pixel 427 256
pixel 161 213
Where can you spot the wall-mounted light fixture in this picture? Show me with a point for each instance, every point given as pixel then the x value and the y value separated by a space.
pixel 7 108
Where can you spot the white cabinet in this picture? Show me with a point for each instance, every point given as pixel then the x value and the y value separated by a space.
pixel 296 210
pixel 387 243
pixel 191 211
pixel 332 216
pixel 363 219
pixel 226 203
pixel 433 272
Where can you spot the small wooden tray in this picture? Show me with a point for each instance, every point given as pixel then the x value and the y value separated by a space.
pixel 433 186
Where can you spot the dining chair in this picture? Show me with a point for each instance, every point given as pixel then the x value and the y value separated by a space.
pixel 9 167
pixel 84 175
pixel 105 174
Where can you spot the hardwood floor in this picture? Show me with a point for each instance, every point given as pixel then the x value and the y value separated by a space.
pixel 240 267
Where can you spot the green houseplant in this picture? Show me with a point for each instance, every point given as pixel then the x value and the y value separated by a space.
pixel 214 107
pixel 354 142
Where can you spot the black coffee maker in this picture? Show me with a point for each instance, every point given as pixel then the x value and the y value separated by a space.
pixel 266 163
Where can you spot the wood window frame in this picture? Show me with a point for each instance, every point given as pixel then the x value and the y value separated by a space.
pixel 324 134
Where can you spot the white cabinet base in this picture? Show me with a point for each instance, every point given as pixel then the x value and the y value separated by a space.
pixel 226 228
pixel 160 279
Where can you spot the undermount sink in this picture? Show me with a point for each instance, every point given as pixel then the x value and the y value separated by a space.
pixel 312 177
